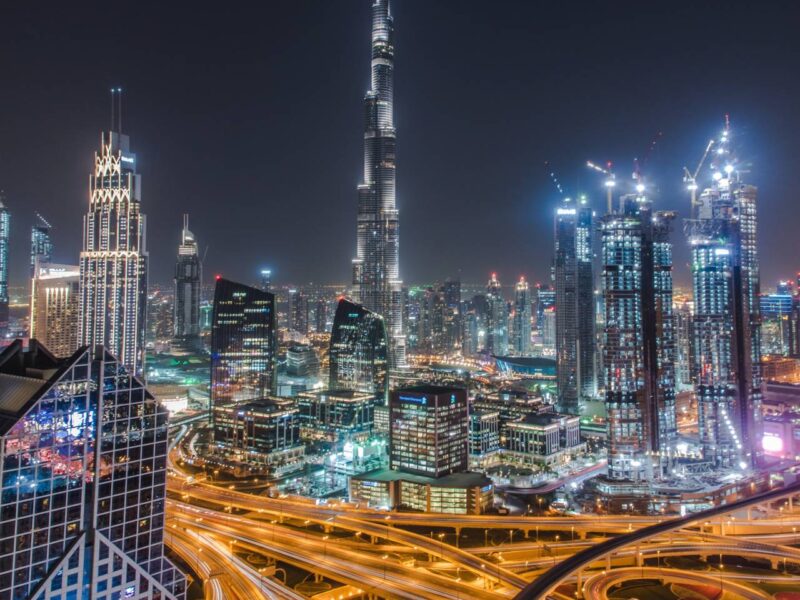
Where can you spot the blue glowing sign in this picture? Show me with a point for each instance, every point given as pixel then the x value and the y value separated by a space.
pixel 414 399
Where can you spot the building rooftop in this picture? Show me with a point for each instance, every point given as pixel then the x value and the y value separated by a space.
pixel 429 389
pixel 344 394
pixel 264 405
pixel 543 419
pixel 455 480
pixel 16 390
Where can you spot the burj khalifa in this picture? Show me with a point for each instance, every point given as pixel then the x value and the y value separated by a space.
pixel 376 272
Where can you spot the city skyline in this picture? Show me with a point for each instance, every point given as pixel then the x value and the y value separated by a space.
pixel 514 190
pixel 588 348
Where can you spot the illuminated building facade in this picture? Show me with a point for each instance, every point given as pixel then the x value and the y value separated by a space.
pixel 778 323
pixel 376 270
pixel 684 348
pixel 429 455
pixel 188 278
pixel 549 330
pixel 55 295
pixel 335 416
pixel 321 316
pixel 298 311
pixel 429 430
pixel 113 263
pixel 638 340
pixel 544 438
pixel 264 432
pixel 5 230
pixel 84 471
pixel 484 433
pixel 545 298
pixel 243 344
pixel 522 319
pixel 41 244
pixel 302 361
pixel 574 287
pixel 452 322
pixel 727 324
pixel 496 341
pixel 359 351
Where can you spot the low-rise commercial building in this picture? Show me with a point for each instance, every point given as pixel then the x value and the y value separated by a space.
pixel 547 439
pixel 262 436
pixel 335 415
pixel 459 493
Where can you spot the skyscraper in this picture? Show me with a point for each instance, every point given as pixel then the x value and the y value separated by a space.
pixel 5 231
pixel 575 324
pixel 684 350
pixel 41 244
pixel 429 430
pixel 188 278
pixel 113 263
pixel 453 319
pixel 522 318
pixel 55 295
pixel 243 343
pixel 726 324
pixel 85 467
pixel 544 298
pixel 638 339
pixel 376 270
pixel 266 280
pixel 298 311
pixel 496 319
pixel 321 316
pixel 358 351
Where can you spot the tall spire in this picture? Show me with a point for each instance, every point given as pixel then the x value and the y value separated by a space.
pixel 376 273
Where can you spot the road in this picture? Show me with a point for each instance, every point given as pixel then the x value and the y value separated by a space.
pixel 550 580
pixel 374 550
pixel 597 587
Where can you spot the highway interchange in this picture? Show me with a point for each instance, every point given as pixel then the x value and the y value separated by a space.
pixel 375 554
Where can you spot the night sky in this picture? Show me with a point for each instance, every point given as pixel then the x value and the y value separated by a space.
pixel 250 119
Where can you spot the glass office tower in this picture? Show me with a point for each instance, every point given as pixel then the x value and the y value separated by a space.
pixel 41 244
pixel 84 480
pixel 522 318
pixel 575 322
pixel 496 319
pixel 188 278
pixel 243 343
pixel 359 351
pixel 638 340
pixel 429 430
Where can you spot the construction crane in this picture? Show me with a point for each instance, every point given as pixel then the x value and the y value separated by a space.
pixel 553 178
pixel 610 182
pixel 43 221
pixel 691 178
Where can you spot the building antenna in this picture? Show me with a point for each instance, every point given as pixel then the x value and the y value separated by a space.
pixel 119 117
pixel 112 109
